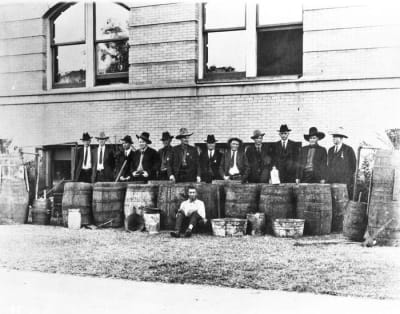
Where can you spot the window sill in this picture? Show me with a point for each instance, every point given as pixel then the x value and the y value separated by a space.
pixel 261 79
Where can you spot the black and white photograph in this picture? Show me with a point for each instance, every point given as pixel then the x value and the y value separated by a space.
pixel 195 157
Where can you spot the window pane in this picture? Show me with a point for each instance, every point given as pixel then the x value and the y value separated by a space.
pixel 280 52
pixel 226 51
pixel 111 21
pixel 280 12
pixel 70 64
pixel 220 15
pixel 70 25
pixel 112 57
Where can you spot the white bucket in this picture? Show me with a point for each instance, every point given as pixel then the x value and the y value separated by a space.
pixel 74 218
pixel 152 223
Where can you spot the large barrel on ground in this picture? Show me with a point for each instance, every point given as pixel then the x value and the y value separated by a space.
pixel 41 212
pixel 355 220
pixel 14 197
pixel 314 205
pixel 108 203
pixel 138 197
pixel 58 195
pixel 77 195
pixel 221 186
pixel 170 197
pixel 277 201
pixel 384 207
pixel 241 199
pixel 340 198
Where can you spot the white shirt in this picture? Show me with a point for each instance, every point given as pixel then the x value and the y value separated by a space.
pixel 210 153
pixel 189 208
pixel 86 150
pixel 101 150
pixel 284 143
pixel 234 170
pixel 337 147
pixel 127 151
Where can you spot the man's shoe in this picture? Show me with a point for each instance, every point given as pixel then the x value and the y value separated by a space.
pixel 188 233
pixel 175 234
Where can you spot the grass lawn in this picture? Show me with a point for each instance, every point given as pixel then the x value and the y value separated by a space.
pixel 326 265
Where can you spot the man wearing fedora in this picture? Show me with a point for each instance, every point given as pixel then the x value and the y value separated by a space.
pixel 259 159
pixel 210 161
pixel 285 156
pixel 165 154
pixel 312 163
pixel 341 161
pixel 125 159
pixel 104 161
pixel 234 164
pixel 145 160
pixel 83 161
pixel 185 160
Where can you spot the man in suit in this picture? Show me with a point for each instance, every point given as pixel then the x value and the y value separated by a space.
pixel 234 164
pixel 165 154
pixel 210 161
pixel 145 160
pixel 285 156
pixel 259 160
pixel 83 161
pixel 125 159
pixel 103 161
pixel 185 160
pixel 341 161
pixel 312 163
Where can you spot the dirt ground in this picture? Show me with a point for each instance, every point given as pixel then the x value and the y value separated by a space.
pixel 322 265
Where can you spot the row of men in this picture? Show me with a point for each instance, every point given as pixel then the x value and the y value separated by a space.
pixel 183 163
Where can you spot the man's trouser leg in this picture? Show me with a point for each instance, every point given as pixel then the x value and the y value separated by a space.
pixel 180 217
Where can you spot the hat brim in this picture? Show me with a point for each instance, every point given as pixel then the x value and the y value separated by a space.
pixel 183 135
pixel 210 142
pixel 144 139
pixel 281 131
pixel 166 138
pixel 125 140
pixel 235 139
pixel 255 136
pixel 339 135
pixel 102 138
pixel 320 136
pixel 86 139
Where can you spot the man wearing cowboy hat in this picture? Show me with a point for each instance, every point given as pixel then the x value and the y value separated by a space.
pixel 285 156
pixel 341 161
pixel 83 161
pixel 125 157
pixel 104 161
pixel 165 154
pixel 145 160
pixel 259 159
pixel 185 160
pixel 312 163
pixel 210 161
pixel 234 164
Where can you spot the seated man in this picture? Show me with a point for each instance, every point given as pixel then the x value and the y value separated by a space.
pixel 191 210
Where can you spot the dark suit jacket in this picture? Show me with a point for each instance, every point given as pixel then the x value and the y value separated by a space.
pixel 209 168
pixel 121 159
pixel 165 152
pixel 150 162
pixel 109 163
pixel 319 162
pixel 341 165
pixel 286 161
pixel 192 161
pixel 259 164
pixel 241 162
pixel 79 160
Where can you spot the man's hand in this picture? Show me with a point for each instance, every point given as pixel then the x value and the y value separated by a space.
pixel 226 178
pixel 322 181
pixel 172 178
pixel 198 179
pixel 204 220
pixel 145 174
pixel 297 181
pixel 122 178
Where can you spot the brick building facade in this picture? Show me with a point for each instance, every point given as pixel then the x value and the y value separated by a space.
pixel 350 77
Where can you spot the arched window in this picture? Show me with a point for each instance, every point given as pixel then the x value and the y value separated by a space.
pixel 89 44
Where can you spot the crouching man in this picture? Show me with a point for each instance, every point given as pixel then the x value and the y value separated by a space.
pixel 191 211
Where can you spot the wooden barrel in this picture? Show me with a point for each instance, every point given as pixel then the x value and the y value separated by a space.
pixel 355 220
pixel 58 194
pixel 340 198
pixel 384 207
pixel 138 197
pixel 221 185
pixel 108 203
pixel 170 197
pixel 14 200
pixel 277 201
pixel 41 212
pixel 77 195
pixel 241 200
pixel 314 205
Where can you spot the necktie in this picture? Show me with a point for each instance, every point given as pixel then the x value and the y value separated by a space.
pixel 184 156
pixel 85 158
pixel 336 149
pixel 258 149
pixel 232 159
pixel 141 161
pixel 210 154
pixel 101 156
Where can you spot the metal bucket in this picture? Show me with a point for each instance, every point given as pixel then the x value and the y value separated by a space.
pixel 288 228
